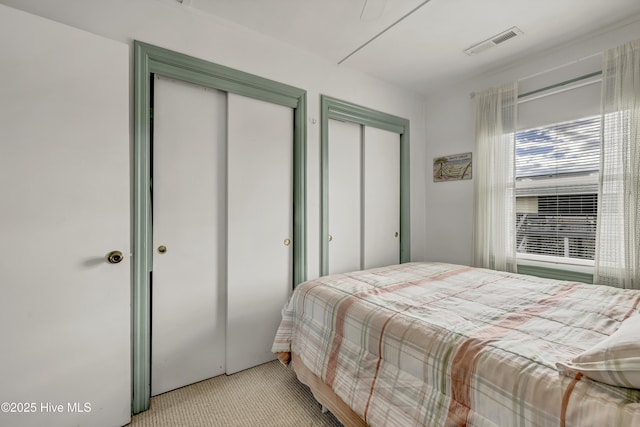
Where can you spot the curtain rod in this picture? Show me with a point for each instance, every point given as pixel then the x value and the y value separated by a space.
pixel 558 67
pixel 584 58
pixel 564 83
pixel 553 86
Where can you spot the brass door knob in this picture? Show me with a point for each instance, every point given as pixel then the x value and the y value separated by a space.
pixel 115 257
pixel 162 249
pixel 330 237
pixel 287 242
pixel 396 234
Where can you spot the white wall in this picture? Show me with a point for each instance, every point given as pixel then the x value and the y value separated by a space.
pixel 451 130
pixel 167 24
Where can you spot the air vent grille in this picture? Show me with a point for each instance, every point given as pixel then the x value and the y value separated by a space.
pixel 504 37
pixel 493 41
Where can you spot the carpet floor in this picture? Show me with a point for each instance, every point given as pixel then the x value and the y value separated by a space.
pixel 267 395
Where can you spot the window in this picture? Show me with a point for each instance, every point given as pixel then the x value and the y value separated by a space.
pixel 557 191
pixel 557 162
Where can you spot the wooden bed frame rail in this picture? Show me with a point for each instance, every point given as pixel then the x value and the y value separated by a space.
pixel 324 395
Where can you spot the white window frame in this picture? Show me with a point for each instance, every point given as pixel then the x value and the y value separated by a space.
pixel 565 268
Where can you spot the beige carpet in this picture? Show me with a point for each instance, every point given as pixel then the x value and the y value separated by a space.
pixel 267 395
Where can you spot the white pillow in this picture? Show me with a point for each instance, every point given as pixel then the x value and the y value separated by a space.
pixel 614 360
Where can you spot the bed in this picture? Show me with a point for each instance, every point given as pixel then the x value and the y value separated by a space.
pixel 436 344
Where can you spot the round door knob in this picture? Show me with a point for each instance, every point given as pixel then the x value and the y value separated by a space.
pixel 162 249
pixel 287 242
pixel 115 257
pixel 396 235
pixel 330 237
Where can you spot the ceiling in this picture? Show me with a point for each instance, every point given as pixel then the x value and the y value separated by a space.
pixel 419 44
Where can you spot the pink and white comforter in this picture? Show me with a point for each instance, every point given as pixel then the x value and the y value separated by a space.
pixel 434 344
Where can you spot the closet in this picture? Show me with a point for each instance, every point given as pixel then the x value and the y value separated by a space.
pixel 381 197
pixel 259 275
pixel 345 197
pixel 364 197
pixel 189 180
pixel 222 231
pixel 364 160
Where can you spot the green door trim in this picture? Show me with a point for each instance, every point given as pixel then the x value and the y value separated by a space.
pixel 149 60
pixel 332 108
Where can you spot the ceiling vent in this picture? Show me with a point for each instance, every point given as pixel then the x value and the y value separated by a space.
pixel 493 41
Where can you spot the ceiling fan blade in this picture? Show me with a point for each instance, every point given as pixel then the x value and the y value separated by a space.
pixel 372 9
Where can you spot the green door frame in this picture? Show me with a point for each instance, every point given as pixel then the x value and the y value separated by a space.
pixel 149 60
pixel 332 108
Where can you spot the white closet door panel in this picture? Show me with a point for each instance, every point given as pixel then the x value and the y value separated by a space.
pixel 188 299
pixel 260 144
pixel 65 204
pixel 345 183
pixel 381 197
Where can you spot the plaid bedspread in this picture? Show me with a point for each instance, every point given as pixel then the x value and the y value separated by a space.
pixel 434 344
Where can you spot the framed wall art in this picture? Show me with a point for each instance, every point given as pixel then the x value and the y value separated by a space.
pixel 452 168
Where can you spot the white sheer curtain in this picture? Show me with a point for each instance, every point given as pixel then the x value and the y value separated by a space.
pixel 494 240
pixel 617 257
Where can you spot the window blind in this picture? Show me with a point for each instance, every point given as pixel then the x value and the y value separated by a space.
pixel 556 189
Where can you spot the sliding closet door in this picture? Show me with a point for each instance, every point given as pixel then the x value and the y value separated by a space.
pixel 345 185
pixel 259 227
pixel 363 197
pixel 381 197
pixel 189 187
